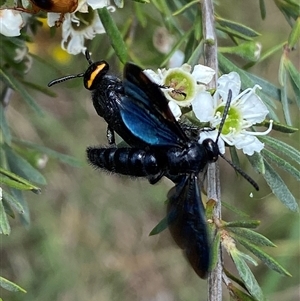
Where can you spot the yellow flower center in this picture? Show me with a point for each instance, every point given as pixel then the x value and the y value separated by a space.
pixel 233 120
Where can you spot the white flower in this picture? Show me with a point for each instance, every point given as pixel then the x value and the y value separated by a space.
pixel 74 32
pixel 246 109
pixel 182 85
pixel 83 23
pixel 11 22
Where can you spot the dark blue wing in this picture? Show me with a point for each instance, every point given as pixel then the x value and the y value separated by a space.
pixel 187 223
pixel 145 111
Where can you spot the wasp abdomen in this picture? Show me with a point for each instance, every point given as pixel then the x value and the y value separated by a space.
pixel 125 161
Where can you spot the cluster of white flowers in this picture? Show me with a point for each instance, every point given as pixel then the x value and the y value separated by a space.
pixel 189 89
pixel 83 23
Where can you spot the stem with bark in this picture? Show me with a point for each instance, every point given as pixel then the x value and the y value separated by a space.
pixel 213 174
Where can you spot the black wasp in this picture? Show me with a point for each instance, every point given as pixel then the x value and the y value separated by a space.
pixel 138 111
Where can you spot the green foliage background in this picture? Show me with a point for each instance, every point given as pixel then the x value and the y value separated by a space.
pixel 88 236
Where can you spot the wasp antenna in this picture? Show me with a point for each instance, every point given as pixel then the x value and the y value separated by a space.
pixel 88 57
pixel 241 172
pixel 226 110
pixel 63 79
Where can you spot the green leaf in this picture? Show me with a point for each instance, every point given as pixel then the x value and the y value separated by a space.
pixel 215 251
pixel 281 147
pixel 12 202
pixel 17 181
pixel 251 236
pixel 10 286
pixel 238 28
pixel 264 257
pixel 282 74
pixel 20 166
pixel 14 184
pixel 279 188
pixel 284 165
pixel 279 127
pixel 293 73
pixel 161 226
pixel 113 34
pixel 4 125
pixel 240 295
pixel 51 153
pixel 25 216
pixel 243 224
pixel 4 224
pixel 17 86
pixel 8 210
pixel 175 47
pixel 295 34
pixel 184 7
pixel 247 276
pixel 262 8
pixel 234 209
pixel 257 162
pixel 39 88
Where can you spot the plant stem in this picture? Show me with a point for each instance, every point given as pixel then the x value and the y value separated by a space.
pixel 213 174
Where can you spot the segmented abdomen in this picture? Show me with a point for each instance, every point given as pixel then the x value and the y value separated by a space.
pixel 125 161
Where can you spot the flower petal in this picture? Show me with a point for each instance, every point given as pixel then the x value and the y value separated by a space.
pixel 248 143
pixel 203 106
pixel 203 74
pixel 230 81
pixel 253 108
pixel 175 109
pixel 11 22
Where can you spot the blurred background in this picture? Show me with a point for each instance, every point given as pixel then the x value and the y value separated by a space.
pixel 89 232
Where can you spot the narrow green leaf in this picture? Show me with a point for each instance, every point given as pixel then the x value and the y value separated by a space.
pixel 4 126
pixel 257 162
pixel 197 53
pixel 270 262
pixel 270 51
pixel 8 210
pixel 282 74
pixel 279 127
pixel 234 209
pixel 25 216
pixel 251 236
pixel 10 286
pixel 113 34
pixel 184 7
pixel 14 184
pixel 12 202
pixel 17 180
pixel 235 279
pixel 247 276
pixel 43 89
pixel 232 33
pixel 17 86
pixel 279 188
pixel 240 295
pixel 284 165
pixel 238 27
pixel 4 224
pixel 51 153
pixel 293 73
pixel 215 251
pixel 295 34
pixel 175 47
pixel 20 166
pixel 281 147
pixel 243 224
pixel 161 226
pixel 262 8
